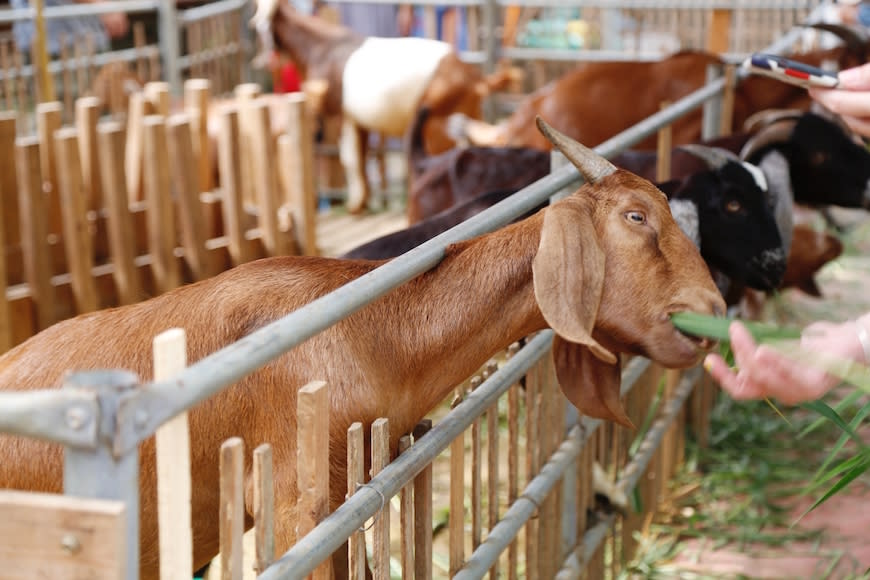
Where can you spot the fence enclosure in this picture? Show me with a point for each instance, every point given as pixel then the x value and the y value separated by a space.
pixel 76 242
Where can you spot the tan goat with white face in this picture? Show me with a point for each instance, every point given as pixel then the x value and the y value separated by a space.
pixel 603 268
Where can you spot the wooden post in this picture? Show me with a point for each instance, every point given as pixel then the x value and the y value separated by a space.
pixel 245 94
pixel 40 55
pixel 296 152
pixel 48 120
pixel 720 30
pixel 157 93
pixel 186 188
pixel 423 513
pixel 262 156
pixel 232 510
pixel 457 500
pixel 381 527
pixel 406 516
pixel 34 234
pixel 476 475
pixel 87 115
pixel 229 162
pixel 727 112
pixel 9 195
pixel 76 227
pixel 664 145
pixel 139 108
pixel 355 478
pixel 58 536
pixel 312 465
pixel 196 97
pixel 110 136
pixel 513 467
pixel 264 508
pixel 533 465
pixel 139 44
pixel 160 213
pixel 173 465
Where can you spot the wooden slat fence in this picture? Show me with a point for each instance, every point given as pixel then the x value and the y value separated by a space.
pixel 74 238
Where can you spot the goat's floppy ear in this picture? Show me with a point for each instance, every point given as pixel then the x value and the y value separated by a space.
pixel 568 274
pixel 591 384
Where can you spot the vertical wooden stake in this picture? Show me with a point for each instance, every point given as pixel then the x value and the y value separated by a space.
pixel 34 234
pixel 262 156
pixel 173 465
pixel 381 528
pixel 160 212
pixel 664 144
pixel 139 108
pixel 406 515
pixel 312 464
pixel 296 152
pixel 264 508
pixel 196 97
pixel 232 513
pixel 423 513
pixel 229 153
pixel 87 115
pixel 78 240
pixel 355 477
pixel 245 95
pixel 110 136
pixel 8 213
pixel 157 93
pixel 186 188
pixel 48 120
pixel 457 500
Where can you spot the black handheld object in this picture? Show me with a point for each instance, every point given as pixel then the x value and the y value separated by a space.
pixel 790 71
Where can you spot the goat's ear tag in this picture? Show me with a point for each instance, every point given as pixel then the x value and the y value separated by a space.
pixel 591 384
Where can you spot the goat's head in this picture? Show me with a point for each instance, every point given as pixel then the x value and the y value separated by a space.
pixel 826 164
pixel 611 267
pixel 737 229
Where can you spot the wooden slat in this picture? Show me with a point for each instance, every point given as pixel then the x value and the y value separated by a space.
pixel 245 94
pixel 513 453
pixel 296 151
pixel 229 161
pixel 49 118
pixel 23 101
pixel 423 512
pixel 312 465
pixel 533 406
pixel 197 93
pixel 381 526
pixel 355 478
pixel 173 465
pixel 66 76
pixel 476 476
pixel 264 508
pixel 110 137
pixel 34 234
pixel 232 510
pixel 161 213
pixel 139 108
pixel 265 181
pixel 664 143
pixel 77 235
pixel 87 115
pixel 186 188
pixel 406 519
pixel 157 93
pixel 139 44
pixel 58 536
pixel 456 535
pixel 492 475
pixel 8 80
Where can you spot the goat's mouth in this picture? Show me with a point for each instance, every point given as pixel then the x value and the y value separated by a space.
pixel 698 342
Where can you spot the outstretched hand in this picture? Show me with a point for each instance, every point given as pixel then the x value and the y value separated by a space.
pixel 851 99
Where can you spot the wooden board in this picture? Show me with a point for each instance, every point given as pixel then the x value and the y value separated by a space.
pixel 57 536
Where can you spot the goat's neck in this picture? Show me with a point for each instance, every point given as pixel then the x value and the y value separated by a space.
pixel 310 41
pixel 477 301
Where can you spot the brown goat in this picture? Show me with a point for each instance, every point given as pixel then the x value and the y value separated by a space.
pixel 603 268
pixel 597 100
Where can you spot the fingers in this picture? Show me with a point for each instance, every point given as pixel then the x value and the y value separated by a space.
pixel 852 103
pixel 856 78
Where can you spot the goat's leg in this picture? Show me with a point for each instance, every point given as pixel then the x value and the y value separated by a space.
pixel 352 150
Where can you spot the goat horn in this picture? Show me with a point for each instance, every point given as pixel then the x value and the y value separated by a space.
pixel 778 132
pixel 591 165
pixel 854 38
pixel 761 119
pixel 714 157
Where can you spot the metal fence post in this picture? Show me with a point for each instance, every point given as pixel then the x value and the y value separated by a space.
pixel 97 473
pixel 170 51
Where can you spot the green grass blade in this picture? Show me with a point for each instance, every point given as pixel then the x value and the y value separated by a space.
pixel 831 415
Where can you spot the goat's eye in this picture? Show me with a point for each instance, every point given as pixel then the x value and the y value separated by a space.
pixel 635 217
pixel 818 158
pixel 733 206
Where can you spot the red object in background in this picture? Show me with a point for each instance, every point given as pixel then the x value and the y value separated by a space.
pixel 287 80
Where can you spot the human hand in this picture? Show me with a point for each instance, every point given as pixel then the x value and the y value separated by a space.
pixel 116 24
pixel 763 371
pixel 851 99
